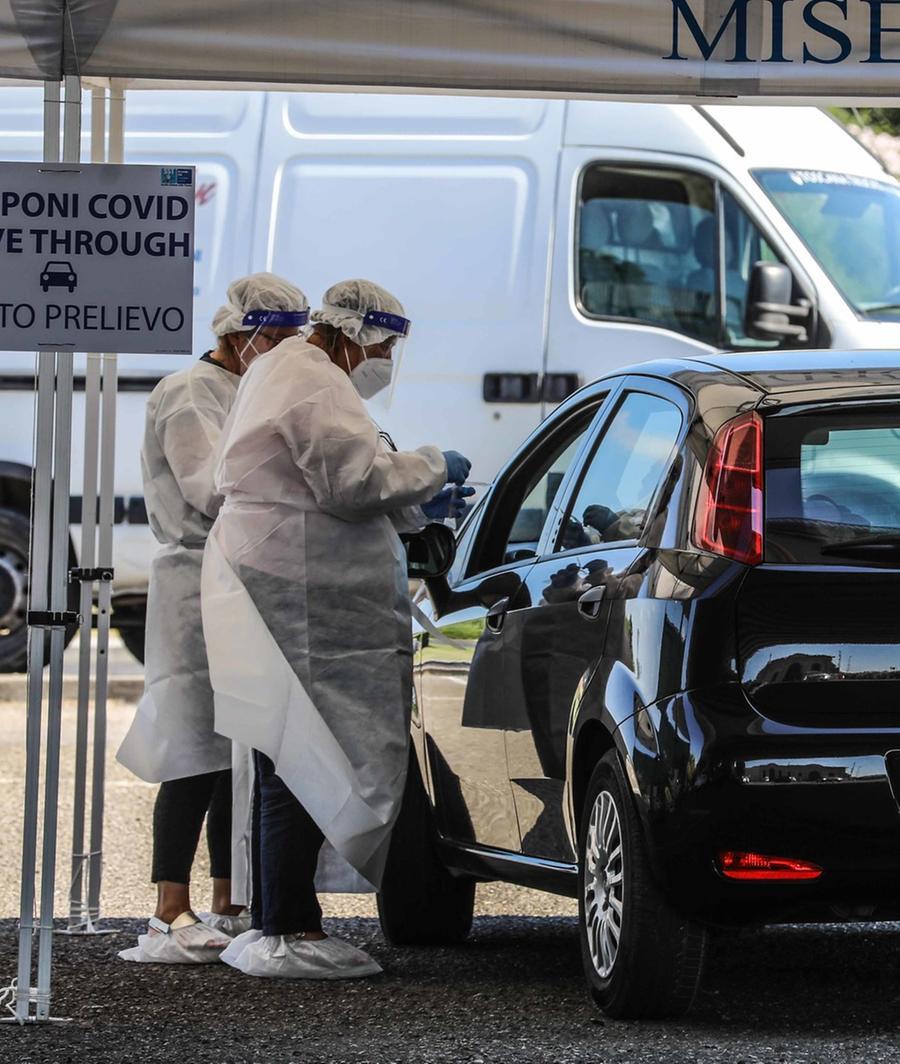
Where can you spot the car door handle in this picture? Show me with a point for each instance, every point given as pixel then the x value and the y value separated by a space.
pixel 496 615
pixel 590 602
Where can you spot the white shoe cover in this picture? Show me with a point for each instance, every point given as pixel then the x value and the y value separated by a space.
pixel 194 944
pixel 293 957
pixel 228 925
pixel 237 946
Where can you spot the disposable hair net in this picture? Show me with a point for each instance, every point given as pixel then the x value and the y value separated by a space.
pixel 347 304
pixel 258 291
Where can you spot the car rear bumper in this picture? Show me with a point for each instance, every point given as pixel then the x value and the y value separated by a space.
pixel 710 775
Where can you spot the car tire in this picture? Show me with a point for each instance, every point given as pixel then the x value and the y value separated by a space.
pixel 420 903
pixel 652 970
pixel 14 545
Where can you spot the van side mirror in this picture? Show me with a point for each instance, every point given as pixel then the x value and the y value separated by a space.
pixel 429 553
pixel 769 307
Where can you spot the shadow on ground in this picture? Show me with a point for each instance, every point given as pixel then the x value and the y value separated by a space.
pixel 514 992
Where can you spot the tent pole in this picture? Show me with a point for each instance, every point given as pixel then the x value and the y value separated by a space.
pixel 79 918
pixel 105 551
pixel 59 579
pixel 39 558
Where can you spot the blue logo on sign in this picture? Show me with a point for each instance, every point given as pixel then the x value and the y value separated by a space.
pixel 176 175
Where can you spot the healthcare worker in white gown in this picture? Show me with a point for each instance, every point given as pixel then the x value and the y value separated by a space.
pixel 171 740
pixel 307 616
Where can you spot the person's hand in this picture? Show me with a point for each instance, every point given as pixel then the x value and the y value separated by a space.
pixel 458 467
pixel 449 502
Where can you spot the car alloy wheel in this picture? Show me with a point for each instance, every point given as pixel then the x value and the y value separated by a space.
pixel 604 884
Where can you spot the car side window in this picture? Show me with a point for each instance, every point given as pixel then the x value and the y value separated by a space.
pixel 532 514
pixel 622 475
pixel 647 251
pixel 519 507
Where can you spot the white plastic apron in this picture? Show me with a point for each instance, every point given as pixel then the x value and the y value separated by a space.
pixel 172 733
pixel 262 705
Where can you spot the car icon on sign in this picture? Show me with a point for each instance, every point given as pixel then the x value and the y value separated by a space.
pixel 58 275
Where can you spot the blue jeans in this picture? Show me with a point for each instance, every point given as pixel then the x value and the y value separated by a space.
pixel 286 844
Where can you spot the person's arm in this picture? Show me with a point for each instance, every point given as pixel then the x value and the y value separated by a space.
pixel 409 519
pixel 338 450
pixel 188 436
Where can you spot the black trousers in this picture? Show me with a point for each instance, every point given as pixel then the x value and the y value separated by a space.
pixel 286 844
pixel 178 816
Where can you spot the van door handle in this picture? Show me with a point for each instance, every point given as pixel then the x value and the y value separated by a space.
pixel 511 388
pixel 558 386
pixel 496 615
pixel 590 602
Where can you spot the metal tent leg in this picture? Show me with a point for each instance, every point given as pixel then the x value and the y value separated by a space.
pixel 79 918
pixel 48 564
pixel 39 559
pixel 39 570
pixel 105 552
pixel 81 915
pixel 107 472
pixel 59 581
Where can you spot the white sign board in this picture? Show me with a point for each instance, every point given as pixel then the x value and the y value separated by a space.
pixel 96 257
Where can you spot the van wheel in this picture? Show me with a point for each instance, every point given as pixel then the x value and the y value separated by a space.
pixel 13 591
pixel 14 536
pixel 133 638
pixel 642 959
pixel 420 903
pixel 129 618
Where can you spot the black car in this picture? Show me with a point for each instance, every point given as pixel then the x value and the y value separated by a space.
pixel 663 672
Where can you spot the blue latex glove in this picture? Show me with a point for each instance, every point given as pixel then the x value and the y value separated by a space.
pixel 458 467
pixel 449 502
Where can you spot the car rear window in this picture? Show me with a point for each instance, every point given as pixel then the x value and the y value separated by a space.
pixel 832 487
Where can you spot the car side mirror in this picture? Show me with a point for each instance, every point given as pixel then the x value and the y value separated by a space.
pixel 769 307
pixel 429 553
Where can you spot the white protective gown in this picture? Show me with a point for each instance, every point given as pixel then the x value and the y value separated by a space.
pixel 305 596
pixel 172 734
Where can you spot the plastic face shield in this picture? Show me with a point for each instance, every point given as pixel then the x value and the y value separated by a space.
pixel 273 319
pixel 400 327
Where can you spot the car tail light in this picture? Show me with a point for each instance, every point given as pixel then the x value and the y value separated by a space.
pixel 729 516
pixel 737 864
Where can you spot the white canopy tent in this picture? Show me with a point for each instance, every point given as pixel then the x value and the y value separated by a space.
pixel 788 50
pixel 683 48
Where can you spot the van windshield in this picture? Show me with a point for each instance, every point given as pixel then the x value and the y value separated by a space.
pixel 832 487
pixel 851 225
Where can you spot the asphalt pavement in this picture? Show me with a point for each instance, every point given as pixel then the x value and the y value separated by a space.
pixel 513 993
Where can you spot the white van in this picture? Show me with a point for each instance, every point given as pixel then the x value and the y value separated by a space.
pixel 536 245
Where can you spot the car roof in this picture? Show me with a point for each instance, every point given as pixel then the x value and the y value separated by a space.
pixel 723 382
pixel 780 372
pixel 783 376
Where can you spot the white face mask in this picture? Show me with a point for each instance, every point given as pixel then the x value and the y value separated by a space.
pixel 371 376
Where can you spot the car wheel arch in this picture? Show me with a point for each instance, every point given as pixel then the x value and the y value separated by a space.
pixel 594 741
pixel 602 719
